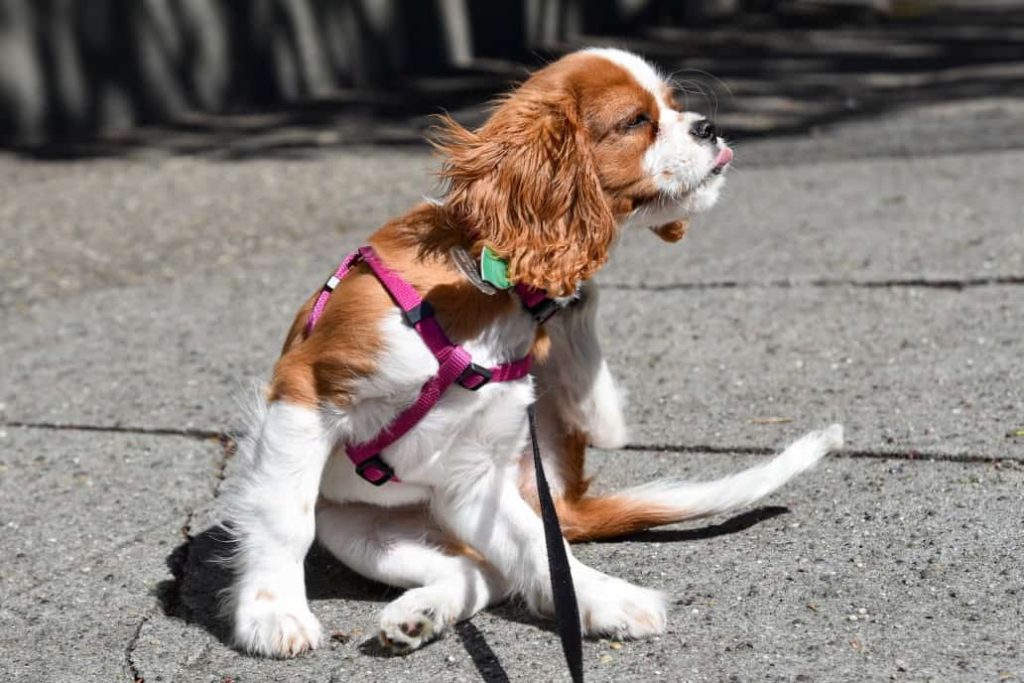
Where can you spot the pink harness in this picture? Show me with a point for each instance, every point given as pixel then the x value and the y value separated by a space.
pixel 456 365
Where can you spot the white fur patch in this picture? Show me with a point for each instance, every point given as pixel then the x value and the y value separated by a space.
pixel 645 74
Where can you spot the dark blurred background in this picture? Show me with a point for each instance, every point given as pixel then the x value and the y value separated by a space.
pixel 84 77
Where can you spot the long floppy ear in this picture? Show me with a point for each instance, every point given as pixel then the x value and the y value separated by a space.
pixel 525 185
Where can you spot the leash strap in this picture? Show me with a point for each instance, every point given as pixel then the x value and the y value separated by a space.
pixel 567 611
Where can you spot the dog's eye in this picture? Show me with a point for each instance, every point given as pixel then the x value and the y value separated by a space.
pixel 638 121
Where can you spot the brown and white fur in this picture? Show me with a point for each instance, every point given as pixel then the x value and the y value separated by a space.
pixel 588 147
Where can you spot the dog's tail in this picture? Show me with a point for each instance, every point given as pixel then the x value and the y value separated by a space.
pixel 667 501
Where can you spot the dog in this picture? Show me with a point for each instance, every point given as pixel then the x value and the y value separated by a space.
pixel 588 147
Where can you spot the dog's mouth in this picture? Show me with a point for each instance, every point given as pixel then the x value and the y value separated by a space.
pixel 722 162
pixel 664 199
pixel 668 206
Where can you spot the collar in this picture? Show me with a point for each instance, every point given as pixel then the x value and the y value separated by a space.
pixel 537 303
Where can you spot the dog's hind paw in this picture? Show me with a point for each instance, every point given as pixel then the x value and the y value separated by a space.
pixel 614 608
pixel 413 620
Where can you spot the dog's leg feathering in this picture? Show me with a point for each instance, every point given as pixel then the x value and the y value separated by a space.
pixel 270 510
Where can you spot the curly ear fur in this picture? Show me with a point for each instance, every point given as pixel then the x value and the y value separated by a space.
pixel 524 185
pixel 671 232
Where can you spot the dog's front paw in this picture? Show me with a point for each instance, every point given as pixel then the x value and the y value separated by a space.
pixel 614 608
pixel 276 628
pixel 415 619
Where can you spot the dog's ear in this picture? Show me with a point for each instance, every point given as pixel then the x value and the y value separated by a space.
pixel 525 185
pixel 671 232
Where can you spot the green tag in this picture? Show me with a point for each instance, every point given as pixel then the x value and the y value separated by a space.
pixel 494 270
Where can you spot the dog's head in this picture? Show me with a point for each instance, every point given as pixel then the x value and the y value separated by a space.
pixel 588 145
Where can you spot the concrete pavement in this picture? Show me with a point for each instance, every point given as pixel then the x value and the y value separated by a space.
pixel 887 293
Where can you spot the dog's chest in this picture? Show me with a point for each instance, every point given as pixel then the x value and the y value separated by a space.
pixel 462 428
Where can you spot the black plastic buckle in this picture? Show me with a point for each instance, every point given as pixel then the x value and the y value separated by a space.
pixel 375 461
pixel 543 310
pixel 474 370
pixel 414 315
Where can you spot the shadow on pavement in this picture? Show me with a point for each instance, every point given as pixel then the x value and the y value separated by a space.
pixel 758 73
pixel 732 525
pixel 200 577
pixel 484 658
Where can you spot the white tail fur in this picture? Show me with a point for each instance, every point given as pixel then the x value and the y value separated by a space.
pixel 699 499
pixel 669 501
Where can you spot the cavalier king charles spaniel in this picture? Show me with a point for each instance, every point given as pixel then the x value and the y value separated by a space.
pixel 588 147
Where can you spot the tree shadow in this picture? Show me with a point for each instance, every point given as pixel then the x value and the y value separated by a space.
pixel 303 77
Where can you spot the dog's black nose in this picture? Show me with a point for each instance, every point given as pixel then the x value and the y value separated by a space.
pixel 704 130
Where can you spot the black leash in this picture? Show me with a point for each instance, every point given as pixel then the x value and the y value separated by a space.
pixel 567 612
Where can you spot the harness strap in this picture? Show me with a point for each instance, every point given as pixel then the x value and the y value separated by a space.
pixel 321 300
pixel 378 472
pixel 417 312
pixel 455 363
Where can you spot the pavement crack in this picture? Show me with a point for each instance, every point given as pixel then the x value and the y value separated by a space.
pixel 955 284
pixel 229 446
pixel 201 434
pixel 171 593
pixel 129 654
pixel 910 454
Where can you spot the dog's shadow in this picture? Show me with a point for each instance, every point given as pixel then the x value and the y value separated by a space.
pixel 201 575
pixel 733 525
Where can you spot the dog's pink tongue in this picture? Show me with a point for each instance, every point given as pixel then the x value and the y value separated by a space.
pixel 723 158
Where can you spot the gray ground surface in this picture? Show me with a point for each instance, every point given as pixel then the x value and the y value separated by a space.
pixel 885 291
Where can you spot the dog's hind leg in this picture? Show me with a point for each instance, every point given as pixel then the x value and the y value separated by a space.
pixel 270 507
pixel 481 505
pixel 402 547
